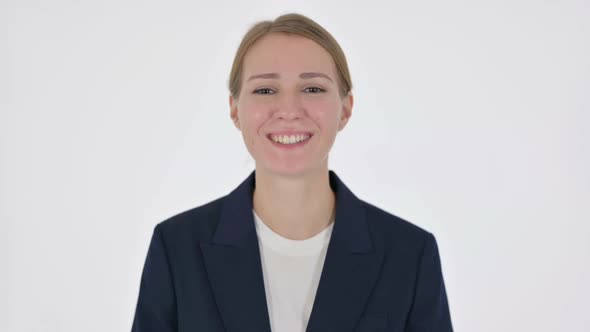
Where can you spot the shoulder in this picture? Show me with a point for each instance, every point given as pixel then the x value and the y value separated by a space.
pixel 394 230
pixel 197 223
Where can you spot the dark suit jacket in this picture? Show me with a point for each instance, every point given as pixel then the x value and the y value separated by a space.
pixel 203 272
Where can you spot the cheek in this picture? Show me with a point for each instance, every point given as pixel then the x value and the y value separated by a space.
pixel 326 114
pixel 252 118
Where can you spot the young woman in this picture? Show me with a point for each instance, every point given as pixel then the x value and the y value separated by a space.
pixel 291 249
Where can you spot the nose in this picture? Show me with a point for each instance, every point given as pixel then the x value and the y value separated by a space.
pixel 289 107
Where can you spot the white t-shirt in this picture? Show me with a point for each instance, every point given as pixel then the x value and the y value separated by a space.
pixel 291 271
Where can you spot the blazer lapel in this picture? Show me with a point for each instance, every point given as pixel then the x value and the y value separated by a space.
pixel 350 269
pixel 232 260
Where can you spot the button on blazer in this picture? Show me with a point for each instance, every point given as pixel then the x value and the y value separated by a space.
pixel 203 272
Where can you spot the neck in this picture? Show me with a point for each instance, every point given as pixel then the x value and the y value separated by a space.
pixel 296 208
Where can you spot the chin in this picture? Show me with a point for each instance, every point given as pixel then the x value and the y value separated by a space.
pixel 290 169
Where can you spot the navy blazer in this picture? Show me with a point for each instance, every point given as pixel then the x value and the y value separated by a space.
pixel 203 272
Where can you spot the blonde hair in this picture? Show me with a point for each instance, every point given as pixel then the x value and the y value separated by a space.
pixel 299 25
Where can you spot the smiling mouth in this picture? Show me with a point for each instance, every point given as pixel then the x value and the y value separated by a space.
pixel 289 139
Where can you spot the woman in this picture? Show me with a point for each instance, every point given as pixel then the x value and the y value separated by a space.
pixel 291 248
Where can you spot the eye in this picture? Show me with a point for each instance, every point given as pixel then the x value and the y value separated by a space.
pixel 315 89
pixel 263 91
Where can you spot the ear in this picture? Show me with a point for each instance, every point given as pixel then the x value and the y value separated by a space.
pixel 347 103
pixel 233 111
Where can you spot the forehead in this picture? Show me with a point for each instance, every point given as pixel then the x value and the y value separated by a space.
pixel 284 53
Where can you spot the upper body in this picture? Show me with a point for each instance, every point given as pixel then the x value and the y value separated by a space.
pixel 204 272
pixel 290 95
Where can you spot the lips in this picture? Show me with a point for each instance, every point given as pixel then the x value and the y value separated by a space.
pixel 289 133
pixel 289 141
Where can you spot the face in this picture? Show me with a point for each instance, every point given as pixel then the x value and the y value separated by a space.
pixel 289 93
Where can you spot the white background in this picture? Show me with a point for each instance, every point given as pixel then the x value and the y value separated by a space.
pixel 471 120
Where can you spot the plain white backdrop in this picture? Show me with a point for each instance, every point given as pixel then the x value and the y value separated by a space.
pixel 471 120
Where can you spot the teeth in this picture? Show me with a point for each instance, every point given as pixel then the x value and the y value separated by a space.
pixel 284 139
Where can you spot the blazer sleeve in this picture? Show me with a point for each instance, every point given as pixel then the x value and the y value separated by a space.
pixel 156 304
pixel 430 309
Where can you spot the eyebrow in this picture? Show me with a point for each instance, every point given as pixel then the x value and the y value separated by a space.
pixel 302 75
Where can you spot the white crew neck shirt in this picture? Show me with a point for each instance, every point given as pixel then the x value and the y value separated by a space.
pixel 291 271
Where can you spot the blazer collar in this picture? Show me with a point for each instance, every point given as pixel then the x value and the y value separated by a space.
pixel 234 267
pixel 236 226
